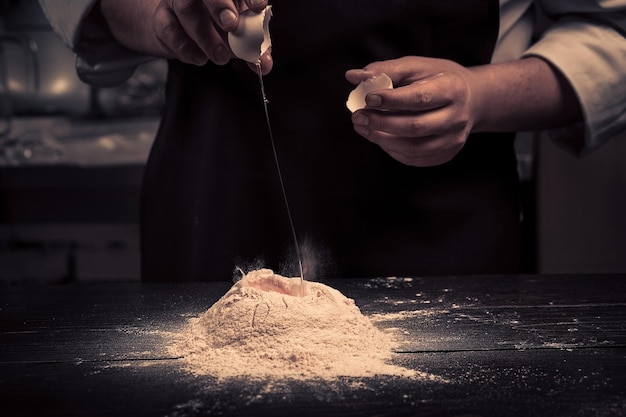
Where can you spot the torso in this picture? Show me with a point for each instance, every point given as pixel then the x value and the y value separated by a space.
pixel 212 199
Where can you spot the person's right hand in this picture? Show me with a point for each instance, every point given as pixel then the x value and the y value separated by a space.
pixel 195 31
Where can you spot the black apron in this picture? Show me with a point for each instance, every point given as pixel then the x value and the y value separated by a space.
pixel 212 201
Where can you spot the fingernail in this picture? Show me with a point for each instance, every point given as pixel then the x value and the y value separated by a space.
pixel 361 119
pixel 227 17
pixel 198 58
pixel 374 100
pixel 256 2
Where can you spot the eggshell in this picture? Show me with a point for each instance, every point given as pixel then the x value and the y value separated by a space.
pixel 251 39
pixel 356 99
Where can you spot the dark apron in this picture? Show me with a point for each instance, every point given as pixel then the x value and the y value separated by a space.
pixel 212 200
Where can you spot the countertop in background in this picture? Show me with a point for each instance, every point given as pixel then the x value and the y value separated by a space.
pixel 69 193
pixel 79 142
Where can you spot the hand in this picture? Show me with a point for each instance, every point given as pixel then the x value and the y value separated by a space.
pixel 426 118
pixel 194 31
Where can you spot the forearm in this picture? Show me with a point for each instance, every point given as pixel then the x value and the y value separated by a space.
pixel 527 94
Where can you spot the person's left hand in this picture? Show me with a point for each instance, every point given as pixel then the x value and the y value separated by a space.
pixel 426 118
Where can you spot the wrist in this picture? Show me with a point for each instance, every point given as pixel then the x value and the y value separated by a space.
pixel 480 80
pixel 527 94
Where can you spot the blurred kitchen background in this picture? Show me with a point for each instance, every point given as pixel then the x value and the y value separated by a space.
pixel 71 161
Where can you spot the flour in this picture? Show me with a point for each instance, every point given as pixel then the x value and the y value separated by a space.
pixel 267 325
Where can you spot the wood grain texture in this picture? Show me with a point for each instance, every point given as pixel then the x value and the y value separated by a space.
pixel 502 346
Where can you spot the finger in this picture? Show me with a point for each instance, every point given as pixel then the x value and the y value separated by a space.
pixel 266 62
pixel 223 12
pixel 418 152
pixel 196 20
pixel 406 70
pixel 396 143
pixel 257 5
pixel 433 122
pixel 426 94
pixel 356 76
pixel 174 39
pixel 402 71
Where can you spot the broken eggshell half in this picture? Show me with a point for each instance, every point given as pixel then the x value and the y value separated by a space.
pixel 251 39
pixel 356 99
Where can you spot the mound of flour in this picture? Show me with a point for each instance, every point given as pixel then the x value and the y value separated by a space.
pixel 267 325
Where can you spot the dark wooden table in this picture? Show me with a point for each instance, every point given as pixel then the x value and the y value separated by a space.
pixel 508 346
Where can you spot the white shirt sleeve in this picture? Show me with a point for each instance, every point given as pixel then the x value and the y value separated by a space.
pixel 586 43
pixel 100 59
pixel 66 16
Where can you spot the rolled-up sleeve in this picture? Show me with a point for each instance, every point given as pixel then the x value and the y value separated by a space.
pixel 587 44
pixel 66 17
pixel 100 59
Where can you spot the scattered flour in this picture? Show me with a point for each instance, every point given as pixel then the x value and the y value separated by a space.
pixel 267 325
